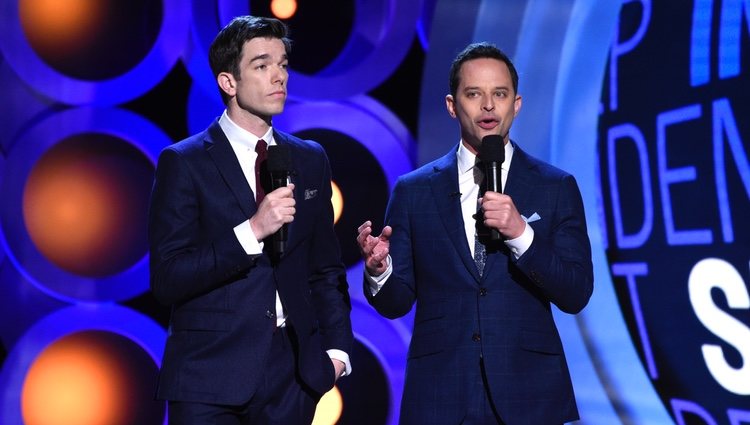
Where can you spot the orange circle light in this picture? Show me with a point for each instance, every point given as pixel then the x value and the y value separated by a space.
pixel 337 199
pixel 329 408
pixel 56 28
pixel 283 9
pixel 85 202
pixel 75 382
pixel 91 377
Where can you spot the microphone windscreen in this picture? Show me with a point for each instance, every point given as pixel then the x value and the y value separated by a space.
pixel 492 149
pixel 279 160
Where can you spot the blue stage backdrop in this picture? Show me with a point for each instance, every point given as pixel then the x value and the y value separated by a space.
pixel 644 102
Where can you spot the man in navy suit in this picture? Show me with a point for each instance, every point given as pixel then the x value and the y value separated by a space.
pixel 255 336
pixel 484 348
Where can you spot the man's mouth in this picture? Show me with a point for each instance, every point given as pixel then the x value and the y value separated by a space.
pixel 488 123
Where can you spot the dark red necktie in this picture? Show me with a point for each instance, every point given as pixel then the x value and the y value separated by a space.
pixel 262 151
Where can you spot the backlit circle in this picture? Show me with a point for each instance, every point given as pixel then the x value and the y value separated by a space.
pixel 85 204
pixel 91 40
pixel 92 168
pixel 368 149
pixel 103 359
pixel 337 199
pixel 84 62
pixel 329 408
pixel 283 9
pixel 91 378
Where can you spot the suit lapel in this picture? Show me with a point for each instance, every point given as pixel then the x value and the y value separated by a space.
pixel 444 184
pixel 520 180
pixel 218 148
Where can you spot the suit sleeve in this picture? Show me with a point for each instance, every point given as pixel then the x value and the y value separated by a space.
pixel 183 262
pixel 328 285
pixel 559 263
pixel 398 294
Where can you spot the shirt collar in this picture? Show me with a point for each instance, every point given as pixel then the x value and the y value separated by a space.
pixel 239 136
pixel 467 160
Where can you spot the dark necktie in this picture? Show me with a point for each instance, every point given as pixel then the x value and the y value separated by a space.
pixel 262 151
pixel 480 253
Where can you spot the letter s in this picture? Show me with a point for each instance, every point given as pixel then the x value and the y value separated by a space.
pixel 715 273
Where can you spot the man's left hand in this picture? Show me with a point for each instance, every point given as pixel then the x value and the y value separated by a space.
pixel 340 368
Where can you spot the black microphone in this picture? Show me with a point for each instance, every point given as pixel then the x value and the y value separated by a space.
pixel 279 165
pixel 492 155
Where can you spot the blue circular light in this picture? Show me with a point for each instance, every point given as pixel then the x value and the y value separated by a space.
pixel 19 247
pixel 38 75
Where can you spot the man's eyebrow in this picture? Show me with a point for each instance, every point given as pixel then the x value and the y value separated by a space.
pixel 264 56
pixel 261 56
pixel 495 88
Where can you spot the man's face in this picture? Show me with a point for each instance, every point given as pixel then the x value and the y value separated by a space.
pixel 485 102
pixel 261 86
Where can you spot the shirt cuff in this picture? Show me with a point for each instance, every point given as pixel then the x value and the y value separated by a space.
pixel 342 357
pixel 247 238
pixel 377 282
pixel 521 244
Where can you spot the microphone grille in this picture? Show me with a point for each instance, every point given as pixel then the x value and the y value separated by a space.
pixel 492 149
pixel 278 159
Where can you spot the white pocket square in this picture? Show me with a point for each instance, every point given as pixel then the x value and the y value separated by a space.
pixel 534 217
pixel 310 193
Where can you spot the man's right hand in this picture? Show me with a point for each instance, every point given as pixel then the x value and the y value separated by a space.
pixel 275 210
pixel 374 250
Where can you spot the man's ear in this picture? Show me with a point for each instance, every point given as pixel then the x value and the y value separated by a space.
pixel 450 104
pixel 227 83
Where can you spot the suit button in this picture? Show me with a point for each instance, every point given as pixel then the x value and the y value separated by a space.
pixel 270 314
pixel 476 337
pixel 482 291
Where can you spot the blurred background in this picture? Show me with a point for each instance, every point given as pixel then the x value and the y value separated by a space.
pixel 646 103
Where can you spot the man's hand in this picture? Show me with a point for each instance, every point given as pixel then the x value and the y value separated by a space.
pixel 276 209
pixel 500 213
pixel 374 250
pixel 340 368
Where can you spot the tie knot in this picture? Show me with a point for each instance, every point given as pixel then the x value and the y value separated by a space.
pixel 261 147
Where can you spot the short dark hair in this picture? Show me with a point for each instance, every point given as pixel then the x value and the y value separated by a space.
pixel 478 51
pixel 226 49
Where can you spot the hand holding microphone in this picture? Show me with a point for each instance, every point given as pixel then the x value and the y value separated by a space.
pixel 500 213
pixel 279 167
pixel 278 206
pixel 492 155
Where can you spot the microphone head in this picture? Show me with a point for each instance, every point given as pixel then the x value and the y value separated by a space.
pixel 279 160
pixel 492 149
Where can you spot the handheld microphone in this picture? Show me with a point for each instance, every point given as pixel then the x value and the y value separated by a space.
pixel 492 155
pixel 279 165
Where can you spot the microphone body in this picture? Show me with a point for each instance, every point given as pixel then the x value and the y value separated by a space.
pixel 492 155
pixel 279 167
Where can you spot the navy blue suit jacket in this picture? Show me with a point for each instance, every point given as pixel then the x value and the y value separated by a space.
pixel 504 315
pixel 223 301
